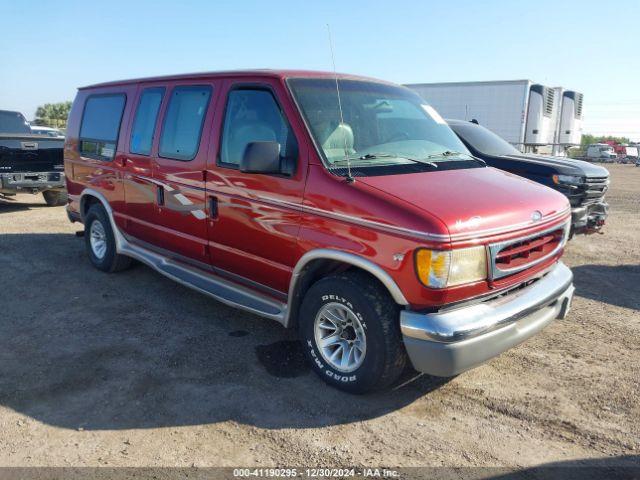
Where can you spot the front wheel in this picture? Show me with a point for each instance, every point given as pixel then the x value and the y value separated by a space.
pixel 349 328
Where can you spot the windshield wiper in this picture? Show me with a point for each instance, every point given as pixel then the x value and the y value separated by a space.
pixel 447 153
pixel 479 160
pixel 451 153
pixel 373 156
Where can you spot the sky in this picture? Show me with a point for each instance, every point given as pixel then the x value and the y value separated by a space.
pixel 48 49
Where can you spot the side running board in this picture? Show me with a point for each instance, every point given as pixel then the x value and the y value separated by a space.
pixel 208 283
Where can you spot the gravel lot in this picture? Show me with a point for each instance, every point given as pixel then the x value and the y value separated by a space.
pixel 132 369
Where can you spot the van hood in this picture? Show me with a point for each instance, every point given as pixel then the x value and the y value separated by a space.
pixel 475 202
pixel 565 166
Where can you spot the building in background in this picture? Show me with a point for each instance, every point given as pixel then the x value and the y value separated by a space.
pixel 529 115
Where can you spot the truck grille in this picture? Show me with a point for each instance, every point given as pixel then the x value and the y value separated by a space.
pixel 508 258
pixel 595 188
pixel 527 251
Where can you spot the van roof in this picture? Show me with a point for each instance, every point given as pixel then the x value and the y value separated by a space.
pixel 280 74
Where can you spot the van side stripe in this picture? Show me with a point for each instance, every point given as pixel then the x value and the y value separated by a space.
pixel 436 237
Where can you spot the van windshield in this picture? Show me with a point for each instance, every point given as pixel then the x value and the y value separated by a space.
pixel 383 124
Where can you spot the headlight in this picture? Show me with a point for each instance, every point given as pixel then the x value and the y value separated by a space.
pixel 447 268
pixel 569 179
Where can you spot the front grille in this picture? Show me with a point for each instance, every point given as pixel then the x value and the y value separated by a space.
pixel 513 256
pixel 527 251
pixel 595 188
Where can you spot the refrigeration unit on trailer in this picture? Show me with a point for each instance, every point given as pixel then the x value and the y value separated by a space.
pixel 541 113
pixel 522 112
pixel 570 119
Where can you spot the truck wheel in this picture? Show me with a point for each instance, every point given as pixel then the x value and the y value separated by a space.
pixel 350 330
pixel 55 198
pixel 100 242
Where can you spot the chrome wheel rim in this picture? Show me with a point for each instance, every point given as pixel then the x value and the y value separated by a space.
pixel 98 239
pixel 340 337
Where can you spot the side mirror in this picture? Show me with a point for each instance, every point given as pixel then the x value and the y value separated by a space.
pixel 261 157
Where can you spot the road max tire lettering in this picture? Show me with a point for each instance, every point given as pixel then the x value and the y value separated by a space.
pixel 313 354
pixel 341 378
pixel 328 372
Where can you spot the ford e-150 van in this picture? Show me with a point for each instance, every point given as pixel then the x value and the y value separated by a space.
pixel 344 207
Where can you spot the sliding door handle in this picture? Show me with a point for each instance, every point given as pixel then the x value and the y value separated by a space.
pixel 213 207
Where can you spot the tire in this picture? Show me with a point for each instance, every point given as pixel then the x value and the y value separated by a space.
pixel 382 357
pixel 55 198
pixel 100 242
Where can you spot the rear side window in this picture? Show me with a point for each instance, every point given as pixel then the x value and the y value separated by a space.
pixel 252 115
pixel 145 120
pixel 183 122
pixel 13 122
pixel 100 125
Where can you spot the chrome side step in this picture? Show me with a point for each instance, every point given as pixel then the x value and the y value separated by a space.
pixel 210 284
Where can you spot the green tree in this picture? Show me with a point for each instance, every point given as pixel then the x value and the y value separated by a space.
pixel 53 114
pixel 588 139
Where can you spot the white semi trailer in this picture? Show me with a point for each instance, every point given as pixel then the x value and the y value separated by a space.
pixel 524 113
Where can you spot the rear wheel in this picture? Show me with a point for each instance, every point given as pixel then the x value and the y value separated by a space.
pixel 349 327
pixel 100 241
pixel 55 198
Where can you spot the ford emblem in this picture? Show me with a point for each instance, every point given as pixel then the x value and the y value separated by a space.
pixel 536 216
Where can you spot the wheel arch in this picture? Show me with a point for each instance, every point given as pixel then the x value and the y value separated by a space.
pixel 90 197
pixel 318 263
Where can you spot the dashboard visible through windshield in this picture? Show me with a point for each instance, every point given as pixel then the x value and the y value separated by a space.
pixel 380 125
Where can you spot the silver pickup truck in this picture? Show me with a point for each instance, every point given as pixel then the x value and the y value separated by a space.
pixel 30 162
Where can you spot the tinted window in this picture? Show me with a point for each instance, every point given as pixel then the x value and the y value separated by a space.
pixel 254 116
pixel 484 140
pixel 183 121
pixel 13 122
pixel 145 120
pixel 100 125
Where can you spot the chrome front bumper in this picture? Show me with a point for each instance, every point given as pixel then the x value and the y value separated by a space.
pixel 449 342
pixel 589 217
pixel 32 181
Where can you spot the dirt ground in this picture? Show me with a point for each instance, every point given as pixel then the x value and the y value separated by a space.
pixel 132 369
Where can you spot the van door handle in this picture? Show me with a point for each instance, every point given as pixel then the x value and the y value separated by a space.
pixel 160 194
pixel 213 207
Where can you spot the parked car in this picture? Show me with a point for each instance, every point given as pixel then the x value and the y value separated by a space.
pixel 583 183
pixel 48 131
pixel 363 223
pixel 30 163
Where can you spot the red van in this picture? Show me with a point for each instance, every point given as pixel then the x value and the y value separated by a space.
pixel 342 206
